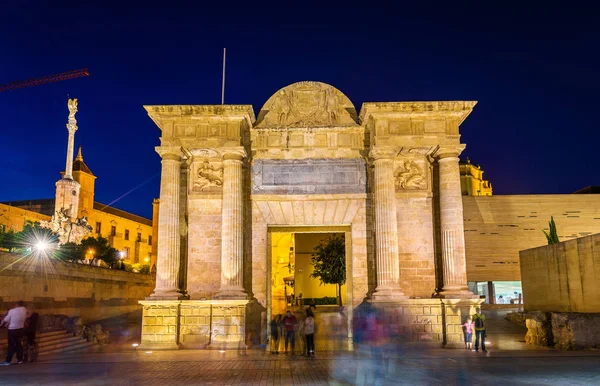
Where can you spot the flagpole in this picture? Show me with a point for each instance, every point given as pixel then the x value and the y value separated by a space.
pixel 223 83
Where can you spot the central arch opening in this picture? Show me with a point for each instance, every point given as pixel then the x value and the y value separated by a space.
pixel 305 263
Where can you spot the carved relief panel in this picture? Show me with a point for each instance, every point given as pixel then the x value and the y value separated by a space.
pixel 412 170
pixel 206 171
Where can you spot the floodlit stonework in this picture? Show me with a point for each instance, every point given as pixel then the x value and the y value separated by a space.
pixel 387 178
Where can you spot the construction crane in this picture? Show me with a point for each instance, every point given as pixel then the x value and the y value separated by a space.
pixel 45 79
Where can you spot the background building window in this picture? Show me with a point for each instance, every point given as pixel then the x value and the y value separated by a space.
pixel 113 230
pixel 139 237
pixel 126 234
pixel 126 250
pixel 98 227
pixel 149 240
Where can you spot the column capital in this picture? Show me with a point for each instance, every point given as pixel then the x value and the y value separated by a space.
pixel 236 153
pixel 452 151
pixel 169 152
pixel 380 152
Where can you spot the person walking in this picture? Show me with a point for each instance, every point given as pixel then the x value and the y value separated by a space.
pixel 290 322
pixel 15 320
pixel 479 322
pixel 275 334
pixel 309 331
pixel 468 327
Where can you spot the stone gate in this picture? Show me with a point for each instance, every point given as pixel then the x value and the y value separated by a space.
pixel 387 177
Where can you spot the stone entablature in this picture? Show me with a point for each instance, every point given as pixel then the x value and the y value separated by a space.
pixel 310 160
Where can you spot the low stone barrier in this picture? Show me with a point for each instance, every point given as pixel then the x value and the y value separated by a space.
pixel 561 330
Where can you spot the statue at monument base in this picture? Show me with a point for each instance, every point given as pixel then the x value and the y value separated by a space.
pixel 67 230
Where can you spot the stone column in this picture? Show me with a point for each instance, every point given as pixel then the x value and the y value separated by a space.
pixel 386 227
pixel 72 128
pixel 454 264
pixel 169 254
pixel 232 231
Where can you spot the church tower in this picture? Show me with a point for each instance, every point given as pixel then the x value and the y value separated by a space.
pixel 87 180
pixel 67 189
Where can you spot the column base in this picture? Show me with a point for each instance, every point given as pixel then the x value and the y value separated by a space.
pixel 388 295
pixel 167 295
pixel 457 292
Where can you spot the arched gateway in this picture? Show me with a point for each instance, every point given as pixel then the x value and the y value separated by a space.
pixel 388 179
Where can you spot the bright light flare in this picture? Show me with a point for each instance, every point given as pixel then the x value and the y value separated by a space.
pixel 135 344
pixel 41 246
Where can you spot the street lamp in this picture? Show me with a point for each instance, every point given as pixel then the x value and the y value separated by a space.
pixel 122 254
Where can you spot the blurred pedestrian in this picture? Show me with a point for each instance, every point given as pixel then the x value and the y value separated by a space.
pixel 468 332
pixel 309 331
pixel 15 320
pixel 480 327
pixel 275 334
pixel 290 323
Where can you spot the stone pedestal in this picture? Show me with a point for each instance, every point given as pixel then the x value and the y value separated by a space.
pixel 159 325
pixel 228 327
pixel 454 264
pixel 232 233
pixel 174 324
pixel 194 323
pixel 169 254
pixel 386 228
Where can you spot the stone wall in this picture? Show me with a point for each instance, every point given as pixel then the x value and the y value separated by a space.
pixel 219 324
pixel 54 287
pixel 14 218
pixel 498 227
pixel 563 330
pixel 562 277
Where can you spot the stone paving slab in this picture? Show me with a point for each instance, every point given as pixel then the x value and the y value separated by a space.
pixel 411 367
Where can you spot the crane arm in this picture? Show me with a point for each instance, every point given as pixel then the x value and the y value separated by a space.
pixel 45 79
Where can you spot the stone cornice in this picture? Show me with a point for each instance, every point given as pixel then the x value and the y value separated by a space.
pixel 160 112
pixel 464 108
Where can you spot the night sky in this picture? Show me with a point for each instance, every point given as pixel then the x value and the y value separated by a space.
pixel 534 71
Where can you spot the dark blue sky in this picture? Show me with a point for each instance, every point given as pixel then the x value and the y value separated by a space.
pixel 534 71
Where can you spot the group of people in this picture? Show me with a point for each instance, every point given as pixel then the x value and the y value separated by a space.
pixel 20 324
pixel 286 327
pixel 475 324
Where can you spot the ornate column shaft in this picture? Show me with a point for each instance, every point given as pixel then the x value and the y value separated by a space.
pixel 232 231
pixel 454 264
pixel 386 228
pixel 72 128
pixel 168 259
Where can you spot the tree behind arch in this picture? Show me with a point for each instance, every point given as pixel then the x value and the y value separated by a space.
pixel 329 262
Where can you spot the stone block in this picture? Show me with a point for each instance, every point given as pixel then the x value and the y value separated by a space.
pixel 169 320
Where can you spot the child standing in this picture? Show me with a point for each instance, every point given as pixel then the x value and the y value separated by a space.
pixel 468 327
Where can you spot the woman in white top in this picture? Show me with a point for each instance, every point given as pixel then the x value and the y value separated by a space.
pixel 309 330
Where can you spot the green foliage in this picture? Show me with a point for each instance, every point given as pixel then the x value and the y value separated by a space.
pixel 7 239
pixel 320 301
pixel 551 236
pixel 329 261
pixel 98 247
pixel 27 238
pixel 140 268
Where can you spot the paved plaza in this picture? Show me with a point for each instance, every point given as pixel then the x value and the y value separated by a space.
pixel 255 367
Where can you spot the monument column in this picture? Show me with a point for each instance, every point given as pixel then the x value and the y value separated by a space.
pixel 454 264
pixel 169 254
pixel 386 227
pixel 232 231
